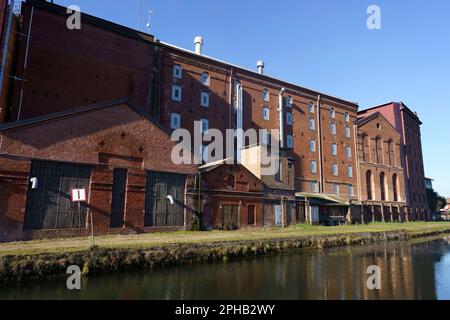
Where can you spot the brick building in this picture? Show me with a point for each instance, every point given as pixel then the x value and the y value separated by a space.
pixel 56 71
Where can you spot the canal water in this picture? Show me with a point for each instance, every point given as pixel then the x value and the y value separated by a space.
pixel 418 270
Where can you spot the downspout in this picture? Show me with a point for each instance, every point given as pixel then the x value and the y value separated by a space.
pixel 197 223
pixel 5 49
pixel 319 138
pixel 358 165
pixel 25 63
pixel 281 114
pixel 230 100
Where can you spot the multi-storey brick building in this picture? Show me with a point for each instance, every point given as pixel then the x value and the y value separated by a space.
pixel 58 70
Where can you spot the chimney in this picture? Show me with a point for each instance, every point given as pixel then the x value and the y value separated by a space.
pixel 198 41
pixel 260 66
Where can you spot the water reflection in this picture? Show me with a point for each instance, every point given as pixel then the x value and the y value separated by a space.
pixel 409 271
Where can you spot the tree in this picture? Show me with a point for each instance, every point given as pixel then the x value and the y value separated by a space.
pixel 435 201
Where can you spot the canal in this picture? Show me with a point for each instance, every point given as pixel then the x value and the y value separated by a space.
pixel 419 270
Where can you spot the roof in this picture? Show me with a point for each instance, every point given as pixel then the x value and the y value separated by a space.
pixel 364 120
pixel 402 105
pixel 213 165
pixel 323 199
pixel 79 110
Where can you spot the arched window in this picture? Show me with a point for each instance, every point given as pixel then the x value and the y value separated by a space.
pixel 231 182
pixel 383 186
pixel 395 186
pixel 332 113
pixel 378 149
pixel 205 79
pixel 365 145
pixel 391 153
pixel 369 185
pixel 266 95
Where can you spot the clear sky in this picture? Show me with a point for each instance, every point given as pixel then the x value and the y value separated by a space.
pixel 324 45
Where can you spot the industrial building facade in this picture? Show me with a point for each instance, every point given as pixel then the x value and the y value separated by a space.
pixel 338 165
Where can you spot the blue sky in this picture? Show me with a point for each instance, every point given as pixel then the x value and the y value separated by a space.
pixel 324 45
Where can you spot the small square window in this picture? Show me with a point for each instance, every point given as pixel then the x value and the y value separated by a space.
pixel 266 114
pixel 177 93
pixel 289 119
pixel 204 99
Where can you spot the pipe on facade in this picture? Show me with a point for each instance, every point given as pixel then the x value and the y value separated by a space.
pixel 281 113
pixel 319 138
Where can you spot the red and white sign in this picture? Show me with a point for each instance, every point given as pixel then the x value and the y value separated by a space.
pixel 78 195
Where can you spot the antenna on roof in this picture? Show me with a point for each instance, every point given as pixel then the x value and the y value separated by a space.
pixel 150 12
pixel 140 14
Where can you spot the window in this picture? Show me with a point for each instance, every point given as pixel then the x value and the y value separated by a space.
pixel 336 189
pixel 335 170
pixel 333 128
pixel 365 144
pixel 266 95
pixel 265 137
pixel 266 113
pixel 159 212
pixel 177 92
pixel 205 79
pixel 289 102
pixel 383 186
pixel 313 166
pixel 311 107
pixel 391 153
pixel 395 187
pixel 251 215
pixel 351 191
pixel 312 124
pixel 369 185
pixel 177 71
pixel 231 182
pixel 314 187
pixel 175 121
pixel 289 119
pixel 378 150
pixel 312 145
pixel 49 206
pixel 290 141
pixel 347 117
pixel 350 171
pixel 332 113
pixel 278 175
pixel 334 149
pixel 204 125
pixel 204 99
pixel 349 152
pixel 347 133
pixel 118 198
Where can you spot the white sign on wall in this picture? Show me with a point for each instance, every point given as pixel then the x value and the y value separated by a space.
pixel 78 195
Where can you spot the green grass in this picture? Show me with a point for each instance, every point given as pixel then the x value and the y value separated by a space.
pixel 164 239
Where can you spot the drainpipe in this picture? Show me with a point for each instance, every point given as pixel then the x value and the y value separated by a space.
pixel 319 138
pixel 230 99
pixel 25 63
pixel 5 55
pixel 358 164
pixel 281 113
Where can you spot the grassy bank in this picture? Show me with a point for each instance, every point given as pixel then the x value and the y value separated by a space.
pixel 38 259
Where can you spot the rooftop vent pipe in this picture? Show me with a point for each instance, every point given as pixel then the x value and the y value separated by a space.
pixel 198 41
pixel 260 66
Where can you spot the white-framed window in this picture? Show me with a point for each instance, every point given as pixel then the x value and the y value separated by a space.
pixel 289 101
pixel 312 145
pixel 204 125
pixel 314 187
pixel 266 113
pixel 348 134
pixel 289 119
pixel 347 117
pixel 311 108
pixel 350 171
pixel 349 153
pixel 177 72
pixel 335 169
pixel 332 113
pixel 204 99
pixel 177 93
pixel 351 191
pixel 336 189
pixel 175 121
pixel 265 137
pixel 312 124
pixel 205 79
pixel 290 142
pixel 266 95
pixel 313 166
pixel 334 149
pixel 333 128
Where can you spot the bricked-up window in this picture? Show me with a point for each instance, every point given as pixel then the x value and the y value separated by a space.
pixel 395 186
pixel 266 113
pixel 177 72
pixel 312 124
pixel 205 79
pixel 49 206
pixel 266 95
pixel 118 198
pixel 177 93
pixel 175 121
pixel 161 187
pixel 369 185
pixel 383 186
pixel 289 119
pixel 204 99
